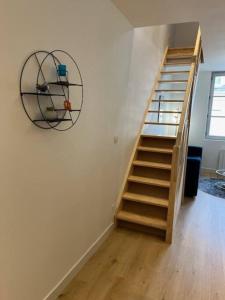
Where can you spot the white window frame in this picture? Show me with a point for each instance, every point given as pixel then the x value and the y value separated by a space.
pixel 208 136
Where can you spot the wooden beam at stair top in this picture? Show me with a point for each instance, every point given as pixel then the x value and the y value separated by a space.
pixel 165 111
pixel 162 123
pixel 154 165
pixel 150 181
pixel 141 220
pixel 181 51
pixel 155 150
pixel 146 199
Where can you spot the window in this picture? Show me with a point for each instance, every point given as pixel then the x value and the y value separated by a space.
pixel 216 115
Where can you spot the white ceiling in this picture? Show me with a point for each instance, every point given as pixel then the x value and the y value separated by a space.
pixel 209 13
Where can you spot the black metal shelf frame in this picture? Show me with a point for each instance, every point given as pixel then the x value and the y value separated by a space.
pixel 40 94
pixel 65 87
pixel 53 120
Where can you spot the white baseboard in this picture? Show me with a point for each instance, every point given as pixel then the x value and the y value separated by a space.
pixel 58 289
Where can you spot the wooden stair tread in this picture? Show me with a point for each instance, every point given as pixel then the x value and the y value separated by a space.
pixel 165 111
pixel 181 48
pixel 169 90
pixel 179 56
pixel 162 123
pixel 174 72
pixel 173 81
pixel 155 165
pixel 168 100
pixel 149 181
pixel 154 149
pixel 142 220
pixel 167 137
pixel 146 199
pixel 177 63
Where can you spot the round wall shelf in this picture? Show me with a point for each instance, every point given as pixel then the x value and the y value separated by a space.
pixel 51 89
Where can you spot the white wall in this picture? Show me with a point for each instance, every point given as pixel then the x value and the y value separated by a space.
pixel 58 189
pixel 200 109
pixel 197 137
pixel 148 48
pixel 185 34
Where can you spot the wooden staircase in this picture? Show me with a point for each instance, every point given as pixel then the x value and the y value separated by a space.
pixel 153 187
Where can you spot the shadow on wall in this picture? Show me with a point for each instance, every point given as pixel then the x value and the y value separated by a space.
pixel 185 34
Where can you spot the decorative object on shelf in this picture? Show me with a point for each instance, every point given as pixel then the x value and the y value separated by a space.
pixel 61 70
pixel 51 89
pixel 42 87
pixel 50 113
pixel 67 105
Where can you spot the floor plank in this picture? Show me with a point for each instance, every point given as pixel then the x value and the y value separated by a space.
pixel 136 266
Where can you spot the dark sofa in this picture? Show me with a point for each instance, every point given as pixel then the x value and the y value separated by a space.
pixel 193 170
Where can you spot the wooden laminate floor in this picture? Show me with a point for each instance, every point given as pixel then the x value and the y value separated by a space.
pixel 135 266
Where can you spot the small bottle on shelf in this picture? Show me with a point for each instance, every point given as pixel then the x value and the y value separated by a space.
pixel 67 105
